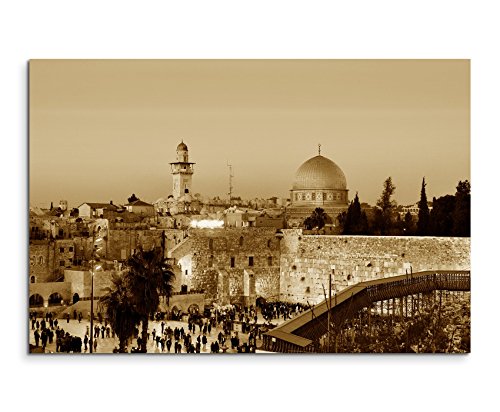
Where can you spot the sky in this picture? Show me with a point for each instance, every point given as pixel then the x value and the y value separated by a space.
pixel 100 130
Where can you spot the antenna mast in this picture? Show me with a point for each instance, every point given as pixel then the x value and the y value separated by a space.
pixel 230 182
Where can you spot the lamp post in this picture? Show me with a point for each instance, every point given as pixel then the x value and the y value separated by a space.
pixel 96 249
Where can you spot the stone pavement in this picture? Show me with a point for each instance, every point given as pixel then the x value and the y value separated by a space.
pixel 106 345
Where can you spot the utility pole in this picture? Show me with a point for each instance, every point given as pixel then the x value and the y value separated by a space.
pixel 329 307
pixel 230 182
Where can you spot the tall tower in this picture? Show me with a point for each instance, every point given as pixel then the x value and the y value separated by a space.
pixel 182 172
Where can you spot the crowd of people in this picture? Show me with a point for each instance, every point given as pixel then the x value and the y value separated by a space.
pixel 229 328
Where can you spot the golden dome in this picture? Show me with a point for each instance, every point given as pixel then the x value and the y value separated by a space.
pixel 319 173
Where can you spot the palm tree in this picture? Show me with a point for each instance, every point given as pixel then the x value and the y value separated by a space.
pixel 149 276
pixel 120 310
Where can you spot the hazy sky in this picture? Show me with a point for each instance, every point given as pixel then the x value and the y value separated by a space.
pixel 103 129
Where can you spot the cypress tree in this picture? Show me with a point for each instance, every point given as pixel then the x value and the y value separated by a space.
pixel 423 212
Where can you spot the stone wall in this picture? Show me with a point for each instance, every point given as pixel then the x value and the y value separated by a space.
pixel 48 288
pixel 308 260
pixel 221 263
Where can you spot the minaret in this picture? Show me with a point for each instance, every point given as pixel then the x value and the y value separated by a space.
pixel 182 172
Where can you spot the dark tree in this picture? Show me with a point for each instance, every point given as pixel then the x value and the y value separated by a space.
pixel 408 225
pixel 317 220
pixel 423 212
pixel 51 205
pixel 120 310
pixel 355 221
pixel 74 212
pixel 461 214
pixel 383 216
pixel 132 198
pixel 441 216
pixel 149 277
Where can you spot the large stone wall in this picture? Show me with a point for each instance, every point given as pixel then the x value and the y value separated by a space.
pixel 308 260
pixel 210 266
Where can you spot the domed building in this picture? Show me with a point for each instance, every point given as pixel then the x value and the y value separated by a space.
pixel 318 182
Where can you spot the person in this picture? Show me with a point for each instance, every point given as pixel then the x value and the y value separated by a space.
pixel 44 338
pixel 86 341
pixel 154 334
pixel 102 332
pixel 96 331
pixel 204 341
pixel 107 331
pixel 37 337
pixel 169 344
pixel 95 345
pixel 162 327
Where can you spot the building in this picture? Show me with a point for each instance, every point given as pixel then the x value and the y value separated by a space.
pixel 414 209
pixel 141 208
pixel 95 210
pixel 318 182
pixel 182 172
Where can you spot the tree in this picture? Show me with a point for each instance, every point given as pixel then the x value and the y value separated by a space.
pixel 120 310
pixel 423 212
pixel 383 217
pixel 132 198
pixel 318 219
pixel 461 214
pixel 74 212
pixel 441 216
pixel 408 224
pixel 149 276
pixel 355 221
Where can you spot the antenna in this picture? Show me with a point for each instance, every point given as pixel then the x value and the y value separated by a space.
pixel 230 182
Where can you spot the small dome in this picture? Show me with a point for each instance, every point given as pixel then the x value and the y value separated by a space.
pixel 319 173
pixel 182 146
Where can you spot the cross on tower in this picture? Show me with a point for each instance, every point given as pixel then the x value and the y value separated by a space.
pixel 319 148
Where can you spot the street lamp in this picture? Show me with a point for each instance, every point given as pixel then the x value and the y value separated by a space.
pixel 97 246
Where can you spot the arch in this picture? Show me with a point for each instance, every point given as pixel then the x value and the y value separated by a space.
pixel 55 299
pixel 32 279
pixel 76 298
pixel 193 309
pixel 36 300
pixel 260 302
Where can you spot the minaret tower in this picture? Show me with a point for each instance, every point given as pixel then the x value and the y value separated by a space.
pixel 182 172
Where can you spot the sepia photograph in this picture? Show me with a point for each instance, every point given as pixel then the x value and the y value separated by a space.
pixel 253 206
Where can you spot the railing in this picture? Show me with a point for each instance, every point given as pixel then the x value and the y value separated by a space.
pixel 300 333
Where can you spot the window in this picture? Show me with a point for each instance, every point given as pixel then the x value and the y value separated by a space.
pixel 269 243
pixel 269 261
pixel 313 196
pixel 210 261
pixel 186 272
pixel 61 250
pixel 70 248
pixel 211 244
pixel 40 260
pixel 32 279
pixel 232 262
pixel 61 263
pixel 241 240
pixel 250 261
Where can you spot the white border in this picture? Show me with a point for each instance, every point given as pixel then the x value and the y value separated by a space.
pixel 258 29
